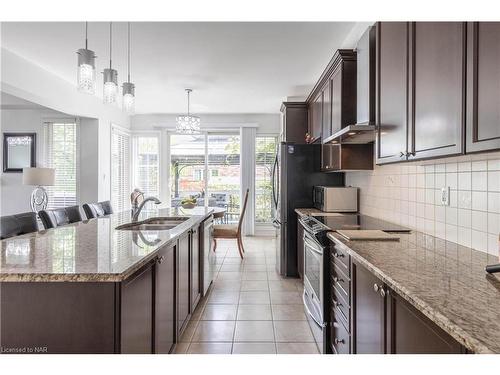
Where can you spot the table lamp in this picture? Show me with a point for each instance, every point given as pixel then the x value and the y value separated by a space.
pixel 39 177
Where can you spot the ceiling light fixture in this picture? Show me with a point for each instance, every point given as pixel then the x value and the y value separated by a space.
pixel 110 76
pixel 86 68
pixel 128 87
pixel 188 124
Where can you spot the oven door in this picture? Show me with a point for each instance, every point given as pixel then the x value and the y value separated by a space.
pixel 313 288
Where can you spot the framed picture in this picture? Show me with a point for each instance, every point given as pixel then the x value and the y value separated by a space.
pixel 19 151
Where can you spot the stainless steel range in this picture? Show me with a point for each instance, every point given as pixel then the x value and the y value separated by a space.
pixel 315 245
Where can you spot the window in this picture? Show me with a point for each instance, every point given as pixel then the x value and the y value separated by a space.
pixel 146 167
pixel 61 154
pixel 197 175
pixel 265 152
pixel 120 170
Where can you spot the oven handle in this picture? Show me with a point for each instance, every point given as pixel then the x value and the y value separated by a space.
pixel 306 305
pixel 312 245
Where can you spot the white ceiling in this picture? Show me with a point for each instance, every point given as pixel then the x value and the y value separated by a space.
pixel 232 67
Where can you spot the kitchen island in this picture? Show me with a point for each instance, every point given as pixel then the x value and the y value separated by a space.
pixel 89 287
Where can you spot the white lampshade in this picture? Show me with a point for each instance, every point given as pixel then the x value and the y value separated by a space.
pixel 39 176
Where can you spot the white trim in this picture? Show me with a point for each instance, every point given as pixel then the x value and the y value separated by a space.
pixel 133 153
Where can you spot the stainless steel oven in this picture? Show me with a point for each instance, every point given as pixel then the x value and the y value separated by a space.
pixel 314 278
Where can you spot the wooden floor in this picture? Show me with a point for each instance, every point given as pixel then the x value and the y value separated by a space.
pixel 250 309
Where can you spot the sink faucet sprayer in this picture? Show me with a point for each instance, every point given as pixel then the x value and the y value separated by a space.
pixel 137 211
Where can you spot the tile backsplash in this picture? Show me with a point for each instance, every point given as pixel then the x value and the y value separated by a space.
pixel 410 194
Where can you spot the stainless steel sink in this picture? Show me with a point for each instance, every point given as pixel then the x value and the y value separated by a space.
pixel 156 223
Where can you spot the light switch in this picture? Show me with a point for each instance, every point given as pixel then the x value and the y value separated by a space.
pixel 445 196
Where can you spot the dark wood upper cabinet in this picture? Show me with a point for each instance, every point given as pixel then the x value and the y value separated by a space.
pixel 332 102
pixel 483 89
pixel 369 312
pixel 294 122
pixel 316 117
pixel 327 110
pixel 437 89
pixel 165 301
pixel 391 91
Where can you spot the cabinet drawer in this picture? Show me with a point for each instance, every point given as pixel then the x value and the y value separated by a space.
pixel 341 281
pixel 341 340
pixel 341 258
pixel 340 307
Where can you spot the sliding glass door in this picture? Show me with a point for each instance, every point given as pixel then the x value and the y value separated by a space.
pixel 206 166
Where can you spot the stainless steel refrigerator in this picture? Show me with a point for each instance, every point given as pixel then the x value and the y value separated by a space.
pixel 296 171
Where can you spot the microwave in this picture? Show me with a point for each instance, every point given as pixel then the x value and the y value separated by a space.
pixel 335 199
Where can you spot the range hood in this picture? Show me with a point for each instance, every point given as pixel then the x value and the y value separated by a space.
pixel 353 134
pixel 364 130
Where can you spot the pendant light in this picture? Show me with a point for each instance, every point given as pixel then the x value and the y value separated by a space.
pixel 188 124
pixel 110 76
pixel 128 87
pixel 85 80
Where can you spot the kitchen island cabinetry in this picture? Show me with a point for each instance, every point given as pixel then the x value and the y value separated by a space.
pixel 120 291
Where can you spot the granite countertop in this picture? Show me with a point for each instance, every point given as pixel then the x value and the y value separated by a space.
pixel 91 250
pixel 445 281
pixel 308 211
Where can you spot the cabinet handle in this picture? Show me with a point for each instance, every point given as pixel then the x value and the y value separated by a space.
pixel 336 304
pixel 401 154
pixel 161 259
pixel 337 255
pixel 339 341
pixel 408 154
pixel 336 279
pixel 376 287
pixel 382 292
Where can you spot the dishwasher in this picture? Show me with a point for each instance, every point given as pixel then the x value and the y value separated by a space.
pixel 209 266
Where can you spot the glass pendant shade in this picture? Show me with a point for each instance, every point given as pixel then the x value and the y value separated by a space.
pixel 129 97
pixel 86 76
pixel 110 93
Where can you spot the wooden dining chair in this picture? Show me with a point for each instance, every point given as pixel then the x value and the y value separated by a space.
pixel 228 231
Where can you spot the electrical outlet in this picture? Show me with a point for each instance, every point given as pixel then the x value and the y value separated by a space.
pixel 445 196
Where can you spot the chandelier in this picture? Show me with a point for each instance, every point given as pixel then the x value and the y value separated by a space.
pixel 86 68
pixel 188 124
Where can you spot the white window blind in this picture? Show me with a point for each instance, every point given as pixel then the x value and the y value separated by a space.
pixel 61 154
pixel 120 170
pixel 146 165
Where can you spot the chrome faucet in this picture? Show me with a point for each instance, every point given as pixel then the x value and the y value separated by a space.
pixel 137 211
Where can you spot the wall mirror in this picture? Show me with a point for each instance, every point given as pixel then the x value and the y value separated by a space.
pixel 19 151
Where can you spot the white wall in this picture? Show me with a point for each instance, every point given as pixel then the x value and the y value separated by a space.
pixel 409 194
pixel 25 79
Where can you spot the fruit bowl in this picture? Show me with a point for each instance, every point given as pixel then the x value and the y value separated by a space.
pixel 188 205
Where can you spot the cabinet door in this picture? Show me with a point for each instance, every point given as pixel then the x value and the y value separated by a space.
pixel 327 111
pixel 483 89
pixel 316 117
pixel 336 82
pixel 165 301
pixel 410 332
pixel 391 91
pixel 183 282
pixel 437 95
pixel 369 312
pixel 195 268
pixel 300 249
pixel 137 312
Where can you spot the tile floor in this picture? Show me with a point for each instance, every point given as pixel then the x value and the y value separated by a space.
pixel 250 308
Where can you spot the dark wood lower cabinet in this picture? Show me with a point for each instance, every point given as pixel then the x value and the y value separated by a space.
pixel 380 321
pixel 410 332
pixel 182 283
pixel 369 312
pixel 136 323
pixel 164 333
pixel 195 269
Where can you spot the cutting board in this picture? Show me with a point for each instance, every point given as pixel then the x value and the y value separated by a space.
pixel 367 235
